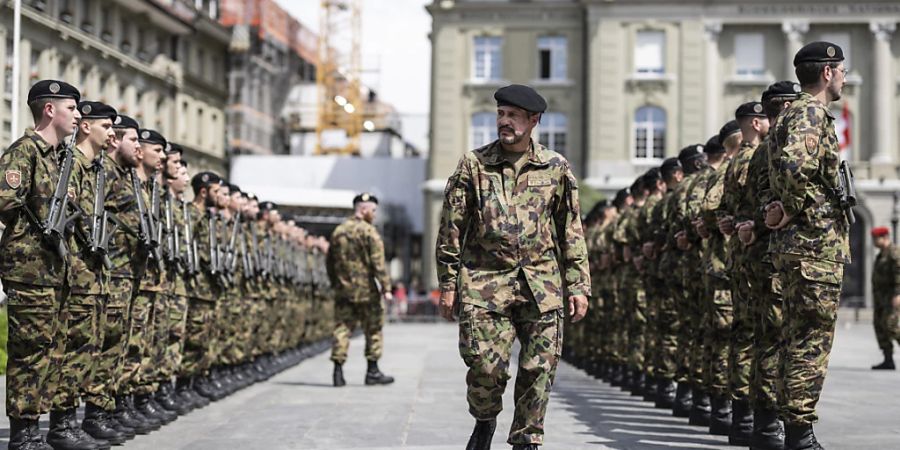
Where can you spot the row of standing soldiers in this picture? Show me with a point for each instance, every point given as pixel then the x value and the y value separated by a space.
pixel 125 295
pixel 696 306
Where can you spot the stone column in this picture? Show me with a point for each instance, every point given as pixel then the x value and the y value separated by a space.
pixel 882 85
pixel 793 34
pixel 711 32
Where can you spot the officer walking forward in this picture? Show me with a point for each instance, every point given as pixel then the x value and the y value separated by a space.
pixel 510 247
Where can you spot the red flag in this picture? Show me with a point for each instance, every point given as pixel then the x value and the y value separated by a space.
pixel 844 131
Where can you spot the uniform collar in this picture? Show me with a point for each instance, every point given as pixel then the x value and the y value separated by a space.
pixel 536 154
pixel 810 99
pixel 43 146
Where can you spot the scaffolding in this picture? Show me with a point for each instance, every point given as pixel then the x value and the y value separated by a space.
pixel 340 103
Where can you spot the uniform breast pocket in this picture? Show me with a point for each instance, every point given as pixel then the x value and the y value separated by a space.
pixel 541 193
pixel 489 205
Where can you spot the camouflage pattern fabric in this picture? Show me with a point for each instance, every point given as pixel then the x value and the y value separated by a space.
pixel 198 328
pixel 102 388
pixel 139 335
pixel 77 346
pixel 765 371
pixel 885 286
pixel 356 262
pixel 349 315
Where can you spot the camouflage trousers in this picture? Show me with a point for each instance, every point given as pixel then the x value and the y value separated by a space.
pixel 175 332
pixel 691 333
pixel 78 343
pixel 765 298
pixel 887 328
pixel 196 358
pixel 347 316
pixel 665 323
pixel 740 358
pixel 637 330
pixel 154 363
pixel 812 293
pixel 140 332
pixel 229 319
pixel 33 323
pixel 485 344
pixel 102 387
pixel 718 319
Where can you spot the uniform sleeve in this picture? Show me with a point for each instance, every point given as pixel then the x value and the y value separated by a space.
pixel 17 168
pixel 376 256
pixel 571 239
pixel 454 222
pixel 896 254
pixel 798 158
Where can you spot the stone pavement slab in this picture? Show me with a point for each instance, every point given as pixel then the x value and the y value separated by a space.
pixel 426 408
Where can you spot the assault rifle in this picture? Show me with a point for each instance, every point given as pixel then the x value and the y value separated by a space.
pixel 53 227
pixel 146 230
pixel 230 251
pixel 101 231
pixel 190 246
pixel 846 191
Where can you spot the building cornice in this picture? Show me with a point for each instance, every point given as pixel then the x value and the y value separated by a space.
pixel 728 11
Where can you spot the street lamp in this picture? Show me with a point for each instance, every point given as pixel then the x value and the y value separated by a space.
pixel 895 216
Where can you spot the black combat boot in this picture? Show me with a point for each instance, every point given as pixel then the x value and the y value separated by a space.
pixel 768 434
pixel 627 379
pixel 97 424
pixel 638 383
pixel 127 416
pixel 338 376
pixel 204 388
pixel 65 434
pixel 665 394
pixel 184 395
pixel 525 447
pixel 888 363
pixel 482 435
pixel 24 434
pixel 800 437
pixel 618 375
pixel 700 408
pixel 374 375
pixel 683 403
pixel 741 423
pixel 720 416
pixel 163 397
pixel 148 408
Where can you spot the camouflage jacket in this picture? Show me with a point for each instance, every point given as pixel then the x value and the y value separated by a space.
pixel 803 174
pixel 735 198
pixel 715 257
pixel 495 225
pixel 356 262
pixel 759 194
pixel 30 176
pixel 886 275
pixel 201 285
pixel 124 252
pixel 86 270
pixel 644 232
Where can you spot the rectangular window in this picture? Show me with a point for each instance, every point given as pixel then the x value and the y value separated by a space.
pixel 488 58
pixel 552 58
pixel 749 54
pixel 843 41
pixel 553 130
pixel 649 52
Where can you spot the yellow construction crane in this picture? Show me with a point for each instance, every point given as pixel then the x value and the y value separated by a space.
pixel 340 120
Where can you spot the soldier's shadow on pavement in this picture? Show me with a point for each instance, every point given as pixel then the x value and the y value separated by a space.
pixel 619 420
pixel 304 383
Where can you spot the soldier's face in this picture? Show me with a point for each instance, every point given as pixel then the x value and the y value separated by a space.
pixel 222 198
pixel 514 124
pixel 236 202
pixel 836 79
pixel 761 124
pixel 64 115
pixel 882 241
pixel 153 157
pixel 368 211
pixel 212 194
pixel 179 182
pixel 252 208
pixel 173 163
pixel 99 132
pixel 129 147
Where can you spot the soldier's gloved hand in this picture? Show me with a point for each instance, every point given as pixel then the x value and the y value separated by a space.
pixel 578 305
pixel 896 302
pixel 448 299
pixel 648 250
pixel 388 296
pixel 682 241
pixel 626 253
pixel 726 225
pixel 638 263
pixel 746 233
pixel 775 215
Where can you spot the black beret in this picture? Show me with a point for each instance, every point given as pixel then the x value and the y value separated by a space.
pixel 749 109
pixel 731 127
pixel 52 89
pixel 713 146
pixel 652 177
pixel 146 135
pixel 126 122
pixel 233 188
pixel 621 195
pixel 267 206
pixel 365 197
pixel 174 148
pixel 819 51
pixel 204 179
pixel 520 96
pixel 690 153
pixel 782 89
pixel 669 166
pixel 96 110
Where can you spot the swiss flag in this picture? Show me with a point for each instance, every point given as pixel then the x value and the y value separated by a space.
pixel 842 127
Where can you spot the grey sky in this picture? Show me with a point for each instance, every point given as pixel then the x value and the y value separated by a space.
pixel 396 55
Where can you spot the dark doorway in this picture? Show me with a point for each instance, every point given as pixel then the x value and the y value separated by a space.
pixel 854 288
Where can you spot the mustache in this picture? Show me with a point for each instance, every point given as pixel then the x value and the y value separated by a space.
pixel 506 128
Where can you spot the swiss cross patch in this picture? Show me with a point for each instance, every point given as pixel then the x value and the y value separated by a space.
pixel 812 143
pixel 13 178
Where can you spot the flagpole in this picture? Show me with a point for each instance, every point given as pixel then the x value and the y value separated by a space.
pixel 16 69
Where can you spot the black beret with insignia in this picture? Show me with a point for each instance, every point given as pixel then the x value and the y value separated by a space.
pixel 670 166
pixel 96 110
pixel 267 206
pixel 52 89
pixel 749 109
pixel 149 136
pixel 204 179
pixel 520 96
pixel 787 90
pixel 621 197
pixel 126 122
pixel 174 148
pixel 690 153
pixel 365 197
pixel 731 127
pixel 233 188
pixel 819 51
pixel 713 146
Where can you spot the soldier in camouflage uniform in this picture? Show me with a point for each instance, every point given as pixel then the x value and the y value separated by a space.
pixel 633 294
pixel 886 293
pixel 613 303
pixel 31 269
pixel 810 244
pixel 357 270
pixel 509 208
pixel 754 126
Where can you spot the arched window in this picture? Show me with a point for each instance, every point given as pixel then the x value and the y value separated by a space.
pixel 649 132
pixel 484 128
pixel 553 130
